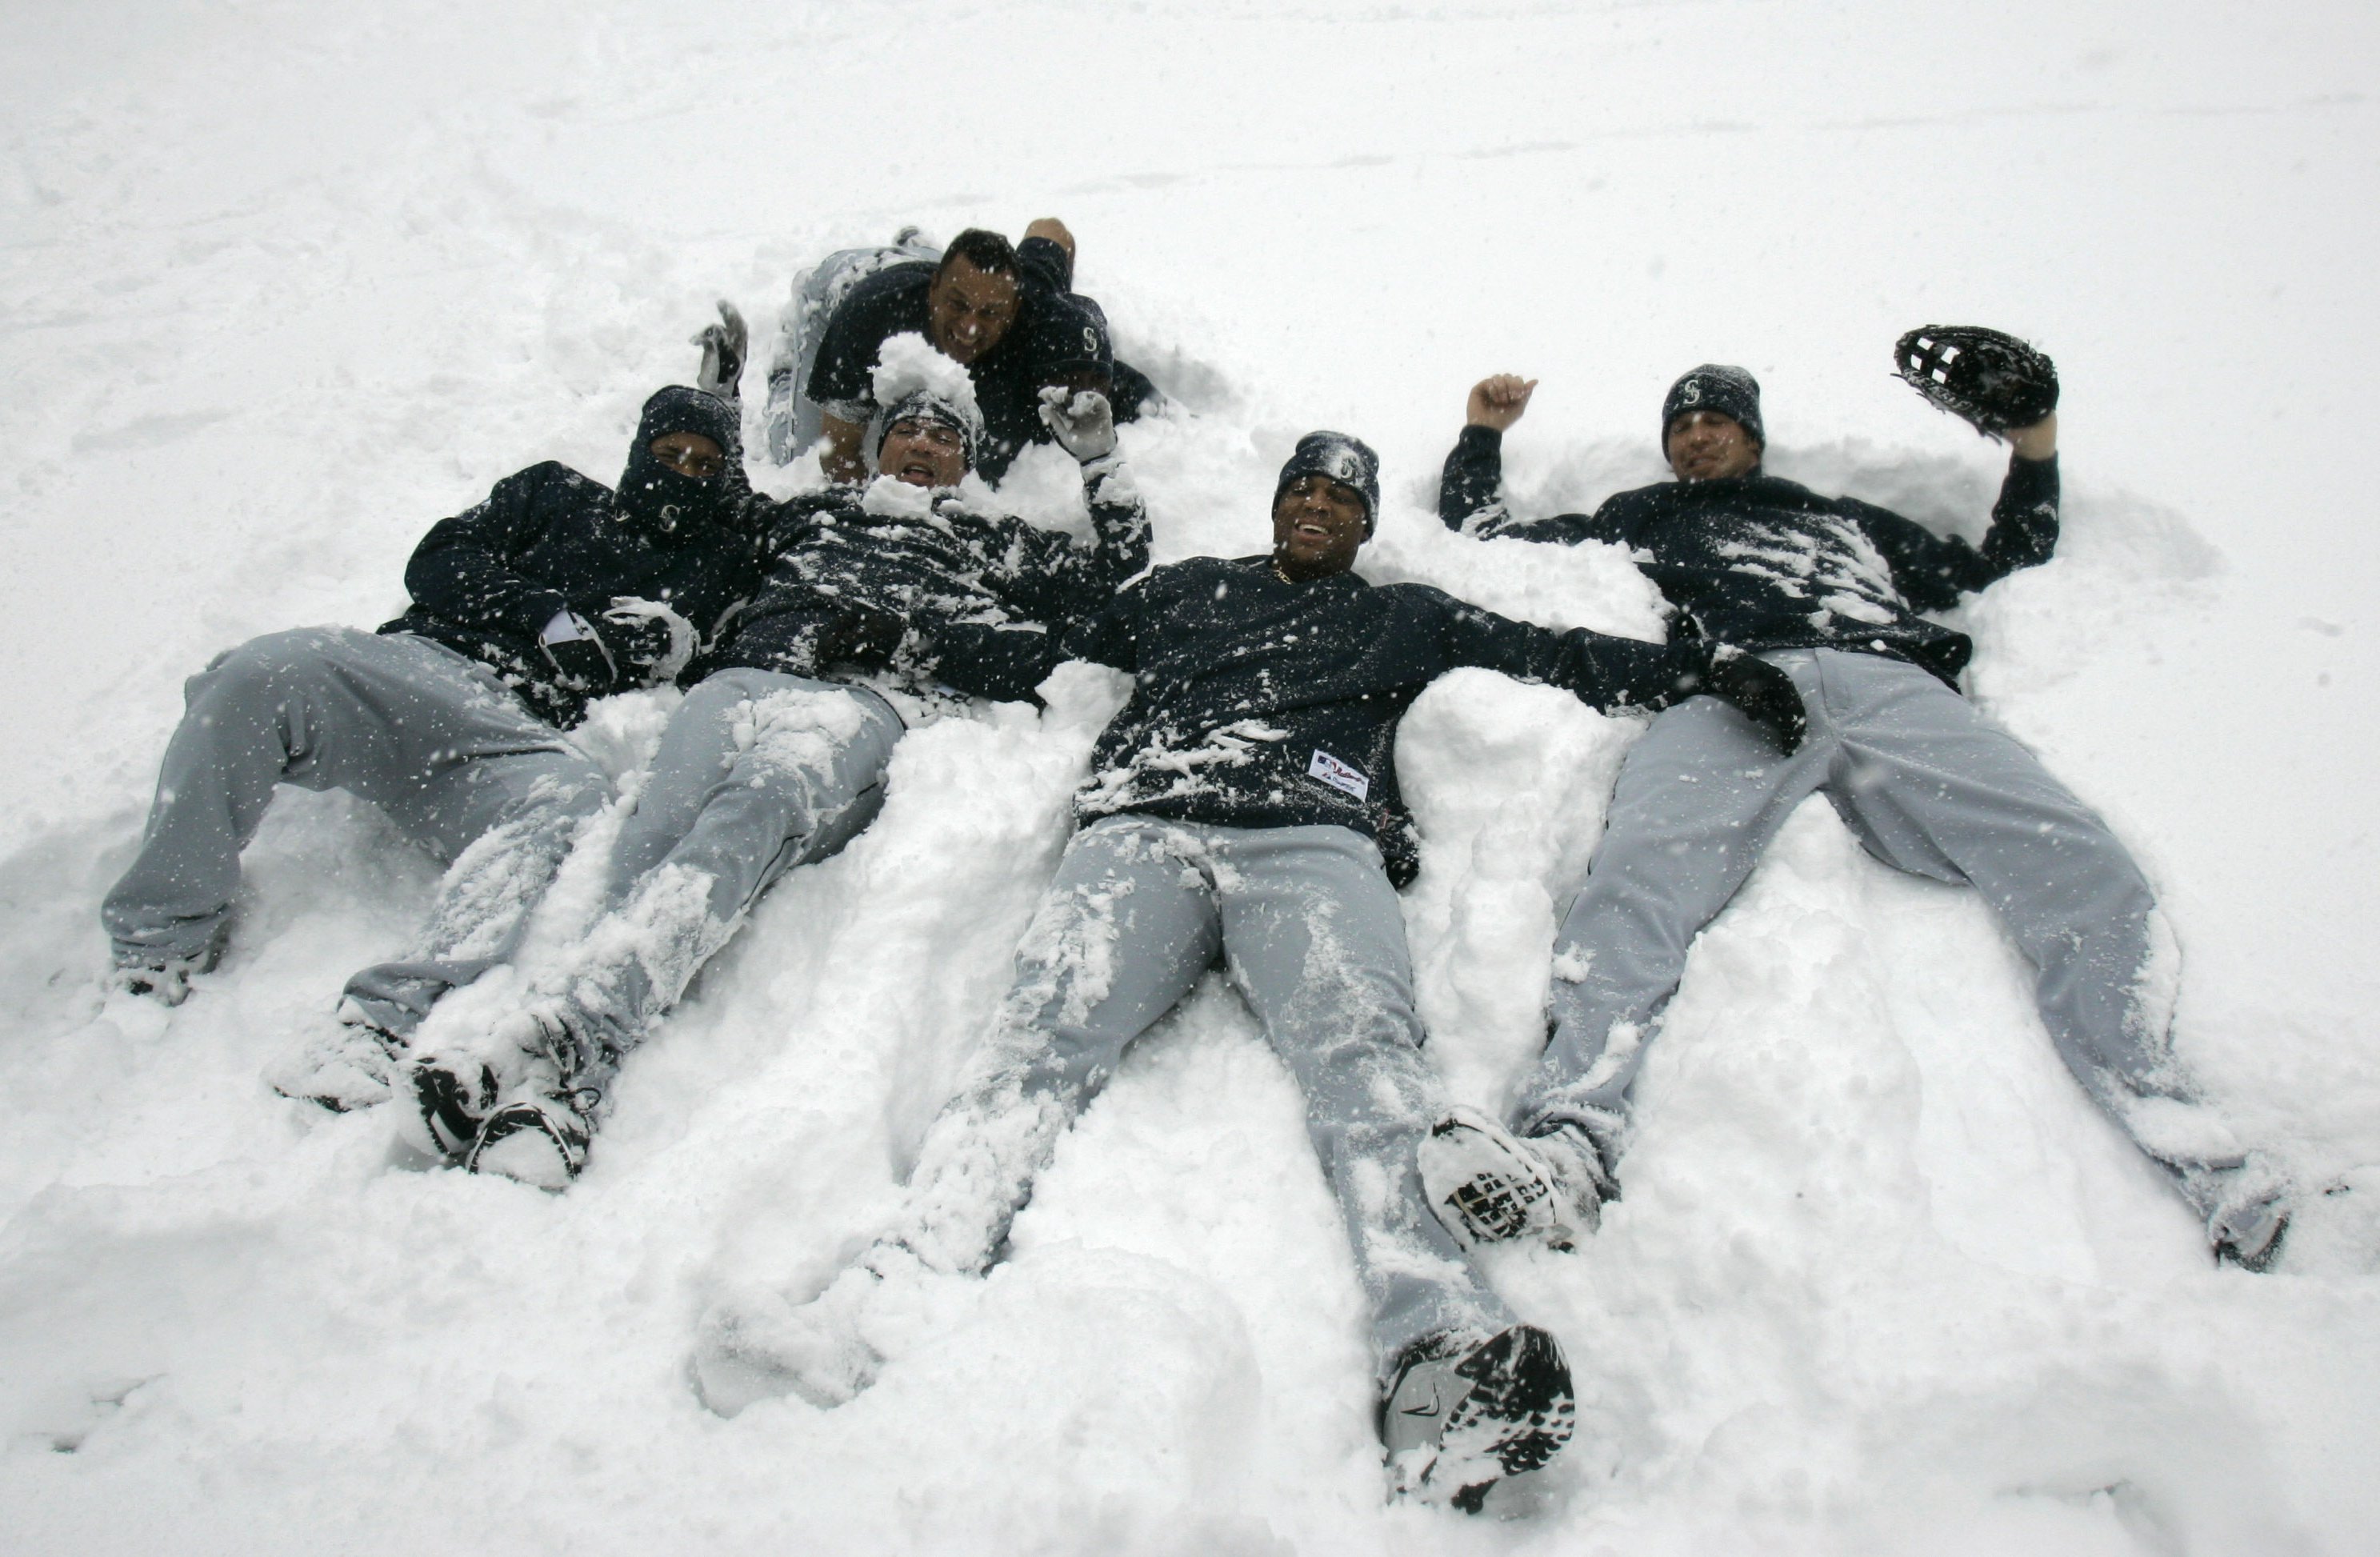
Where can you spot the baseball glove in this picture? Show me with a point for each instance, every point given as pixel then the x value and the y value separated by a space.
pixel 1995 383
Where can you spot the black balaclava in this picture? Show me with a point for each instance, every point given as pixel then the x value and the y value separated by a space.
pixel 658 499
pixel 1349 461
pixel 925 405
pixel 1713 386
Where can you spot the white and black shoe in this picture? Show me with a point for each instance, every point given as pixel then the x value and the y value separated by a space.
pixel 530 1055
pixel 1462 1414
pixel 1489 1186
pixel 453 1096
pixel 539 1140
pixel 135 970
pixel 2250 1207
pixel 351 1065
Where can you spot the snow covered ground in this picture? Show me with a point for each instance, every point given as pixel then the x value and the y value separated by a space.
pixel 283 283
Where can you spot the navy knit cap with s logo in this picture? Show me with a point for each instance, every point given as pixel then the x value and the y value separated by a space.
pixel 1715 386
pixel 1348 461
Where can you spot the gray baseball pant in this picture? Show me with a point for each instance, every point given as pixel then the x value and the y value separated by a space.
pixel 1927 785
pixel 757 772
pixel 793 420
pixel 1313 937
pixel 430 737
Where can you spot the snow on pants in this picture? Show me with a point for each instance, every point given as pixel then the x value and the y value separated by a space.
pixel 757 772
pixel 1314 937
pixel 794 420
pixel 431 737
pixel 1927 785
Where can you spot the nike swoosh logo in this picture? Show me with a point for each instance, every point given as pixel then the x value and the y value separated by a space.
pixel 1432 1409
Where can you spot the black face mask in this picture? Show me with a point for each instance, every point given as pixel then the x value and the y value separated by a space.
pixel 658 500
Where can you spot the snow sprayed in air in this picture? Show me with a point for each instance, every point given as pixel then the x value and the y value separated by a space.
pixel 909 365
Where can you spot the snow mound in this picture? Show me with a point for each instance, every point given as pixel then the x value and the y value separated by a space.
pixel 909 364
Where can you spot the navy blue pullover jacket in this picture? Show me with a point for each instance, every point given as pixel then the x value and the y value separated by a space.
pixel 1764 563
pixel 1259 702
pixel 986 599
pixel 485 582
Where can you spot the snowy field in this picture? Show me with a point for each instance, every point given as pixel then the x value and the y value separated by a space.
pixel 283 283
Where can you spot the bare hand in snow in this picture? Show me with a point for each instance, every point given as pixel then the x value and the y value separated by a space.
pixel 1500 399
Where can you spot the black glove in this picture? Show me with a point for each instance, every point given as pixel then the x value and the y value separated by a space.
pixel 860 635
pixel 1764 694
pixel 1994 383
pixel 647 638
pixel 582 664
pixel 1083 423
pixel 724 346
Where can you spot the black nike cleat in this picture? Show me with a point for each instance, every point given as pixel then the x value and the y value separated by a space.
pixel 1460 1417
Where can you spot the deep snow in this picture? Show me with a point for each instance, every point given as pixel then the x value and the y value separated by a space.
pixel 284 284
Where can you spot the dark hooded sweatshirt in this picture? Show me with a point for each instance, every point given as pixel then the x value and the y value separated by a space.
pixel 985 599
pixel 548 540
pixel 1008 378
pixel 1764 563
pixel 1259 702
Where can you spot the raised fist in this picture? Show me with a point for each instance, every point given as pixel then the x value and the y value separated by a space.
pixel 1083 421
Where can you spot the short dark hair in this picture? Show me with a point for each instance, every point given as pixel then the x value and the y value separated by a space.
pixel 984 251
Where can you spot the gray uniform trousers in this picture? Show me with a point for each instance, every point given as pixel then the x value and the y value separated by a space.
pixel 1927 785
pixel 1314 938
pixel 793 420
pixel 757 772
pixel 427 735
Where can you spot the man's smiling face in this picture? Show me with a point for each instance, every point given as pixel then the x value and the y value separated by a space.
pixel 968 309
pixel 1317 528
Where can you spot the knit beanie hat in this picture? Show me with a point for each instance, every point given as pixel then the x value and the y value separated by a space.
pixel 1731 391
pixel 1346 460
pixel 659 498
pixel 928 405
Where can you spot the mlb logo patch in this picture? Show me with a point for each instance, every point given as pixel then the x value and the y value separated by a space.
pixel 1339 775
pixel 1690 392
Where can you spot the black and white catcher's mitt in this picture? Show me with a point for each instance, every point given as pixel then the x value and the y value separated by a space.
pixel 1993 382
